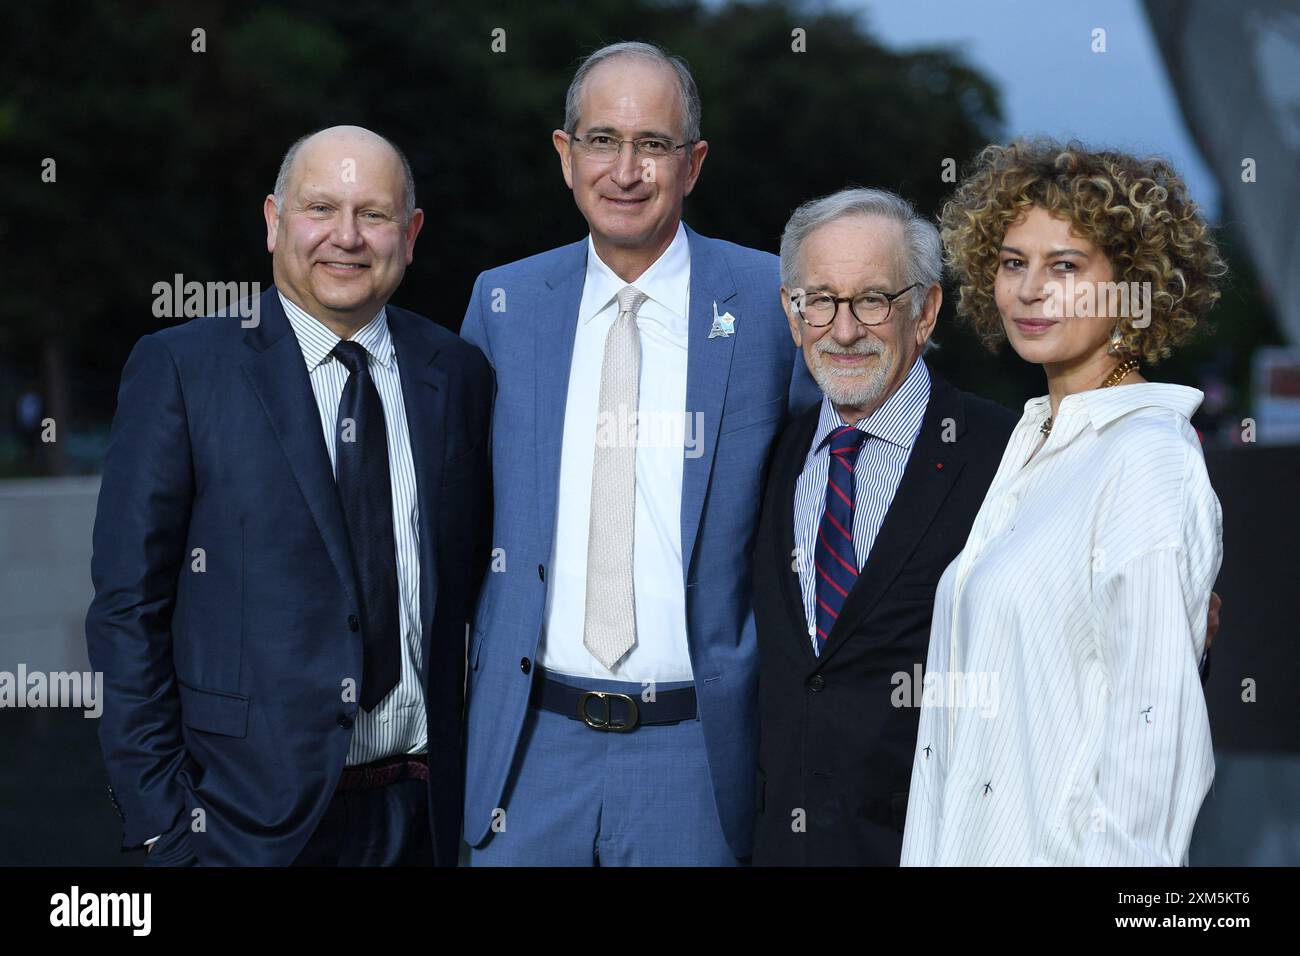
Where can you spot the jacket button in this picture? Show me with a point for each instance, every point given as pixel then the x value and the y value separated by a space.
pixel 354 624
pixel 816 682
pixel 541 572
pixel 345 721
pixel 525 665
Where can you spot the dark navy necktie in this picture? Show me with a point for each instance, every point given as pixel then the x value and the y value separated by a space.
pixel 836 561
pixel 366 492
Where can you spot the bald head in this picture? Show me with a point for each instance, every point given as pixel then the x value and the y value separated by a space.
pixel 344 142
pixel 341 225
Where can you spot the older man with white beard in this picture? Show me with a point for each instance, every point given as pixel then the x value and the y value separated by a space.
pixel 869 496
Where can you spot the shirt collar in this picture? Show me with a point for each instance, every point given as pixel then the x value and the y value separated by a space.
pixel 317 341
pixel 666 282
pixel 897 421
pixel 1101 406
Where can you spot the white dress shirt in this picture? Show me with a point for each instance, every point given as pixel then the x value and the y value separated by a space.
pixel 661 653
pixel 892 429
pixel 1063 720
pixel 397 724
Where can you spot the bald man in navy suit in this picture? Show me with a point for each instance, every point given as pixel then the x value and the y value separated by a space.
pixel 292 527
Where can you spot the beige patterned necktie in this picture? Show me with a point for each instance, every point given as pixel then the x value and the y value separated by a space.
pixel 609 631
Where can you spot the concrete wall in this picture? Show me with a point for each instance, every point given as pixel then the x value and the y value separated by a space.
pixel 45 529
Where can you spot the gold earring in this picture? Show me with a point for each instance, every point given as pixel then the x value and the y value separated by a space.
pixel 1115 338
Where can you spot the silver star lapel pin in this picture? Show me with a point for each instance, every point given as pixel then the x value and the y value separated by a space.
pixel 723 325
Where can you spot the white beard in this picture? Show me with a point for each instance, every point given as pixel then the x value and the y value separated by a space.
pixel 856 387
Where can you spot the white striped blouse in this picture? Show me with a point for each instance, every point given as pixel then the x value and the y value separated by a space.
pixel 893 428
pixel 1062 718
pixel 397 725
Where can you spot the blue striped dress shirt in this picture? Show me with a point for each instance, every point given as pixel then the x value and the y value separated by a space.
pixel 397 725
pixel 892 431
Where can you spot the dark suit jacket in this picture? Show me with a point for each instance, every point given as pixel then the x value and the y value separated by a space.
pixel 831 744
pixel 223 688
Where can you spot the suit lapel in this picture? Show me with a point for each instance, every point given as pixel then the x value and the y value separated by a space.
pixel 786 475
pixel 424 394
pixel 278 375
pixel 932 469
pixel 708 365
pixel 555 325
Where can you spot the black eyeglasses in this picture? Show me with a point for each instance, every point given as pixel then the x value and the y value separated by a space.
pixel 606 147
pixel 870 308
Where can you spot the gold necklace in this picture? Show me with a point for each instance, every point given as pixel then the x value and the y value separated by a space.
pixel 1114 378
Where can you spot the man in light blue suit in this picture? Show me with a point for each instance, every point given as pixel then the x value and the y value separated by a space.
pixel 642 375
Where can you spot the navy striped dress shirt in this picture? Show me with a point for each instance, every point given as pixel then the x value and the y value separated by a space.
pixel 892 431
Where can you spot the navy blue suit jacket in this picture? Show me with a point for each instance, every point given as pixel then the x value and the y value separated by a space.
pixel 223 687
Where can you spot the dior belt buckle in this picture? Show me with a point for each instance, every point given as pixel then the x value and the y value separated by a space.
pixel 606 721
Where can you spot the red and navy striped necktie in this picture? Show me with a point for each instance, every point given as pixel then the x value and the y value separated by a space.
pixel 836 561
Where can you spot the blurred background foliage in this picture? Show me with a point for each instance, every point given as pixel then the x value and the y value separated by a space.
pixel 165 154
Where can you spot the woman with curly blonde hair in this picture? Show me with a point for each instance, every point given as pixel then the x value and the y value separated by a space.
pixel 1078 607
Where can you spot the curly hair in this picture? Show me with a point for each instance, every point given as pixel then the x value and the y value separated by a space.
pixel 1136 211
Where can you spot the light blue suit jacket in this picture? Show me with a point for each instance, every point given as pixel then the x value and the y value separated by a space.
pixel 524 316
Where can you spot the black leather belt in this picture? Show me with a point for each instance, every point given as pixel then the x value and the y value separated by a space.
pixel 606 710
